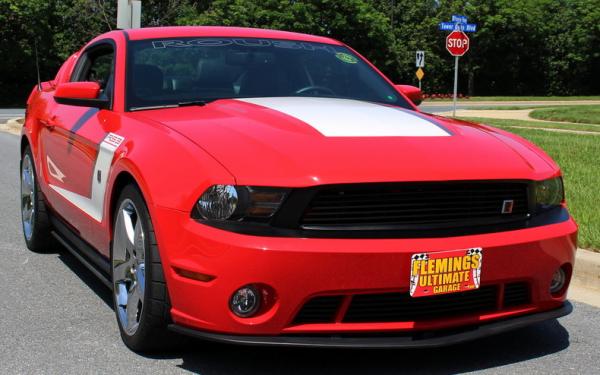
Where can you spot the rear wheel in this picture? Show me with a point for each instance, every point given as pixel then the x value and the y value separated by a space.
pixel 140 293
pixel 34 217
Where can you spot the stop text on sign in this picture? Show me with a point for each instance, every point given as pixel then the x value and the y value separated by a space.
pixel 457 43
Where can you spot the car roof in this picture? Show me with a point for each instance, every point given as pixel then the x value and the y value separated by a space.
pixel 222 31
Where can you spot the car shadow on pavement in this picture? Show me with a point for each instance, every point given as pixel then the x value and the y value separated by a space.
pixel 511 347
pixel 85 275
pixel 212 358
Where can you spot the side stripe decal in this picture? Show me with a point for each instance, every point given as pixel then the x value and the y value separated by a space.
pixel 78 125
pixel 94 205
pixel 83 119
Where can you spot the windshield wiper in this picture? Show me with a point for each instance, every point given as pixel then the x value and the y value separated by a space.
pixel 200 103
pixel 153 107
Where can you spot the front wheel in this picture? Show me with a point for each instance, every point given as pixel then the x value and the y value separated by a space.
pixel 140 293
pixel 34 217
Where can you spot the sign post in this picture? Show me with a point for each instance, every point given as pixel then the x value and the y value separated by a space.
pixel 420 63
pixel 457 43
pixel 129 14
pixel 455 85
pixel 420 74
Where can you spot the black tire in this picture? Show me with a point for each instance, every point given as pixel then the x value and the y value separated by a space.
pixel 40 240
pixel 151 334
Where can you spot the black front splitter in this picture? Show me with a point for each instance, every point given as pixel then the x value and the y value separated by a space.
pixel 409 340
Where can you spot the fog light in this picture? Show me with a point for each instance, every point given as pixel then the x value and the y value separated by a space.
pixel 558 281
pixel 245 302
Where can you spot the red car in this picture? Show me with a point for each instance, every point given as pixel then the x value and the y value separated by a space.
pixel 266 187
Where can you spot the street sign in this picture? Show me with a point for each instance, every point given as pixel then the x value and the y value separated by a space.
pixel 447 26
pixel 420 59
pixel 420 74
pixel 457 43
pixel 469 28
pixel 457 18
pixel 451 26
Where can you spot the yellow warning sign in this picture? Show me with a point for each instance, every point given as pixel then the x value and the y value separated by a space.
pixel 420 74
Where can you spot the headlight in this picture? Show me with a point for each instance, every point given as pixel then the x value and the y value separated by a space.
pixel 218 202
pixel 549 193
pixel 228 202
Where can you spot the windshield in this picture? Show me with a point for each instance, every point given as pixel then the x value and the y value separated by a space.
pixel 171 72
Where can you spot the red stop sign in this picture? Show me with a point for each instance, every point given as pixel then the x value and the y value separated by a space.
pixel 457 43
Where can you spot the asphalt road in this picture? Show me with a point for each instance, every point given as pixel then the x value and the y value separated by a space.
pixel 56 318
pixel 8 113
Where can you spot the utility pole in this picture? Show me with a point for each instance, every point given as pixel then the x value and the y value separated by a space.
pixel 129 14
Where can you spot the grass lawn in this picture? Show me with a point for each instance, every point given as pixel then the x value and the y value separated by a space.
pixel 579 158
pixel 518 98
pixel 589 114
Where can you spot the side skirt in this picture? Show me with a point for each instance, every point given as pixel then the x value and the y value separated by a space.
pixel 84 252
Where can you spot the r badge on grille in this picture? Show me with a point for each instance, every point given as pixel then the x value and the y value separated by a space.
pixel 507 206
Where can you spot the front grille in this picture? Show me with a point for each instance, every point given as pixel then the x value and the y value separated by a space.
pixel 399 307
pixel 319 309
pixel 417 205
pixel 516 294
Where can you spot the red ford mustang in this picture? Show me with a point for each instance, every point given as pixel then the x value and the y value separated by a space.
pixel 266 187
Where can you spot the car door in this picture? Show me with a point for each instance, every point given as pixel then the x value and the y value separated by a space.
pixel 70 139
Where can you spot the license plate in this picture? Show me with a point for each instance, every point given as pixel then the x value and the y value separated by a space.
pixel 444 272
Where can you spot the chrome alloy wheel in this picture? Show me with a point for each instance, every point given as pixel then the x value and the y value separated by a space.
pixel 27 196
pixel 128 266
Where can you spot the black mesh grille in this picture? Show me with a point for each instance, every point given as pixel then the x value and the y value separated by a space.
pixel 516 294
pixel 319 310
pixel 439 204
pixel 397 307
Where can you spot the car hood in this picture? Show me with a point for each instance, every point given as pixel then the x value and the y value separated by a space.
pixel 301 141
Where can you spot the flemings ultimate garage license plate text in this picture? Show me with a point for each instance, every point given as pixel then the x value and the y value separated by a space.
pixel 445 272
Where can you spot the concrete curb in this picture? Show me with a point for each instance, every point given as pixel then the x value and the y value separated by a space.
pixel 13 126
pixel 586 272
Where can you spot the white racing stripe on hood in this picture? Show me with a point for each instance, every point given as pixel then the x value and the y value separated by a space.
pixel 353 118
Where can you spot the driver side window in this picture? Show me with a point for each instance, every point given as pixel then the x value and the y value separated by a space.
pixel 97 65
pixel 100 69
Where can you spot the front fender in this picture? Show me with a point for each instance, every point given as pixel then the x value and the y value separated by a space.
pixel 171 171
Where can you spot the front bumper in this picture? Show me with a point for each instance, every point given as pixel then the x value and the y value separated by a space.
pixel 299 269
pixel 407 341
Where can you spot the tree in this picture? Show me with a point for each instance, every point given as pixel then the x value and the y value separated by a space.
pixel 522 47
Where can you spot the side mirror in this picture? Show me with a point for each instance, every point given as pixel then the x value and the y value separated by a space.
pixel 413 93
pixel 83 94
